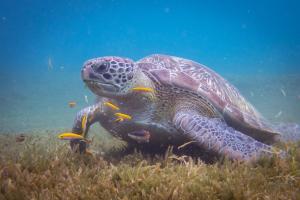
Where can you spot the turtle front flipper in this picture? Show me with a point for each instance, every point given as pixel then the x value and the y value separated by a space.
pixel 215 135
pixel 83 120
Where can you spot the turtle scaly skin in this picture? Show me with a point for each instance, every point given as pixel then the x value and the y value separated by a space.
pixel 187 102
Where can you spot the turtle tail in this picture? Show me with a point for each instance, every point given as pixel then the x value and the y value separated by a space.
pixel 290 132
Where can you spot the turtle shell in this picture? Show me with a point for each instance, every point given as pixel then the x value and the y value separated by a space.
pixel 192 76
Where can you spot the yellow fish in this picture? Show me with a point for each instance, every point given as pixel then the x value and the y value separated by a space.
pixel 83 123
pixel 119 120
pixel 72 104
pixel 70 136
pixel 143 89
pixel 111 105
pixel 123 116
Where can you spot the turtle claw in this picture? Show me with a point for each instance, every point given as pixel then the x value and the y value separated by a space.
pixel 88 152
pixel 78 146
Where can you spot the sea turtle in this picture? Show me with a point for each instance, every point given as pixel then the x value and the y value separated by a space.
pixel 182 101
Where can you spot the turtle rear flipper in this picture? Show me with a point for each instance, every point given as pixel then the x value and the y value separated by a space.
pixel 214 134
pixel 253 125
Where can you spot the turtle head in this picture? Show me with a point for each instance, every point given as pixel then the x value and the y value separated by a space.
pixel 109 76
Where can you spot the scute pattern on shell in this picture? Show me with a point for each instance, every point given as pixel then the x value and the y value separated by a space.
pixel 208 82
pixel 187 74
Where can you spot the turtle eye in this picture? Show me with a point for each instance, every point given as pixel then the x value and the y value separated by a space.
pixel 100 68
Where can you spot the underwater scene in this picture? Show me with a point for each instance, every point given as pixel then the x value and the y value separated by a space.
pixel 115 99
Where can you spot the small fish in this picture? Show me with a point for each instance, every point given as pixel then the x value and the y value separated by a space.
pixel 70 136
pixel 278 114
pixel 119 120
pixel 141 136
pixel 83 123
pixel 20 138
pixel 111 105
pixel 86 99
pixel 123 116
pixel 50 65
pixel 72 104
pixel 143 89
pixel 73 136
pixel 283 92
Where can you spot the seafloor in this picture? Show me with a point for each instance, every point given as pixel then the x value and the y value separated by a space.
pixel 41 167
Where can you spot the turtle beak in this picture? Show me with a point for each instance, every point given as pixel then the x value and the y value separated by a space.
pixel 88 75
pixel 86 71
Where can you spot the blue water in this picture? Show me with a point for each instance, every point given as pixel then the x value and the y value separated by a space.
pixel 255 44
